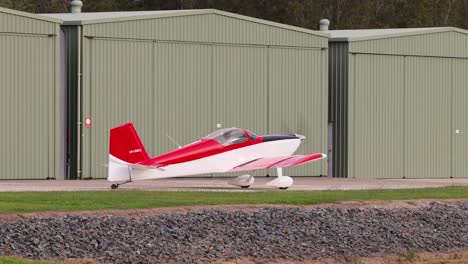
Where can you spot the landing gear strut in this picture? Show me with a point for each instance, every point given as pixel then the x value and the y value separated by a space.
pixel 282 182
pixel 116 185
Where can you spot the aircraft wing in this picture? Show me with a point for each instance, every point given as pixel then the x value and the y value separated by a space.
pixel 277 162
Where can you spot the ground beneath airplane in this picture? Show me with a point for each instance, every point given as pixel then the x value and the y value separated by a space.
pixel 220 184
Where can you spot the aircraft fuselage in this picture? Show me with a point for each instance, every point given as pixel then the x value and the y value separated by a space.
pixel 208 155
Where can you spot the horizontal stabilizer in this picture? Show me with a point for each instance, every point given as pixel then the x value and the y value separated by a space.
pixel 144 167
pixel 134 166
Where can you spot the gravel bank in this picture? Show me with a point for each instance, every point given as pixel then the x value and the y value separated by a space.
pixel 262 234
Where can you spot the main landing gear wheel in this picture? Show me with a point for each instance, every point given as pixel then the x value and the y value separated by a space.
pixel 243 181
pixel 282 182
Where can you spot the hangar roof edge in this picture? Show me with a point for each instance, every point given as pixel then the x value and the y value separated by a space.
pixel 29 15
pixel 109 17
pixel 370 34
pixel 271 23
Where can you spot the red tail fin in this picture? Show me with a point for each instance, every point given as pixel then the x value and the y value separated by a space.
pixel 126 145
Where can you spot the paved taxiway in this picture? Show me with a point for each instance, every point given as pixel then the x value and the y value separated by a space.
pixel 220 184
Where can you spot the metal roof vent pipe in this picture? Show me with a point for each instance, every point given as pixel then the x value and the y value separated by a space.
pixel 76 6
pixel 324 23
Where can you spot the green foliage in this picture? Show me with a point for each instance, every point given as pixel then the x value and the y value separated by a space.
pixel 355 260
pixel 20 202
pixel 13 260
pixel 408 257
pixel 343 14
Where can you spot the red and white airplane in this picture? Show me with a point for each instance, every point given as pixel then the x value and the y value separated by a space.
pixel 226 150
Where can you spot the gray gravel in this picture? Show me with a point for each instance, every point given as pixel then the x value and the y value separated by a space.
pixel 214 234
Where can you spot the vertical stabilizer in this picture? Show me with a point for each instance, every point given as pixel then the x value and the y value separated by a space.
pixel 125 144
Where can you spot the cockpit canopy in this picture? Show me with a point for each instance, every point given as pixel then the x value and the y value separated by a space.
pixel 231 136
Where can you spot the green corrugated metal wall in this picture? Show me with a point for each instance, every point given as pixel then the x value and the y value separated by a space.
pixel 12 21
pixel 182 86
pixel 459 118
pixel 240 87
pixel 29 97
pixel 119 90
pixel 205 28
pixel 443 44
pixel 403 109
pixel 428 117
pixel 376 112
pixel 297 101
pixel 183 89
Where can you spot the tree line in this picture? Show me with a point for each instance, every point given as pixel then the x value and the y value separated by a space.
pixel 343 14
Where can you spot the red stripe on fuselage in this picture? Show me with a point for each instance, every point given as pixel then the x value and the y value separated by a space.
pixel 201 149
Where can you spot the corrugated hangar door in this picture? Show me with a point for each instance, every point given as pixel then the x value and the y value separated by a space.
pixel 182 95
pixel 460 119
pixel 117 89
pixel 27 106
pixel 400 122
pixel 297 101
pixel 240 87
pixel 183 90
pixel 428 117
pixel 163 88
pixel 377 119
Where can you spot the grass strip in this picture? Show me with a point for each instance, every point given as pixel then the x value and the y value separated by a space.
pixel 15 260
pixel 22 202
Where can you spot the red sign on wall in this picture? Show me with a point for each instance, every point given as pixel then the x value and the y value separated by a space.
pixel 87 122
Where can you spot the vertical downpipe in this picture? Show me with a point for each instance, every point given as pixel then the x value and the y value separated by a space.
pixel 78 106
pixel 268 90
pixel 324 26
pixel 404 119
pixel 76 9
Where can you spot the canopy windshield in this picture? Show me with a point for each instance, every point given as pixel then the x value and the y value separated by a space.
pixel 230 136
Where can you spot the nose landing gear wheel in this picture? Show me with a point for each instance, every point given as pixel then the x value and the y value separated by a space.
pixel 283 188
pixel 245 187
